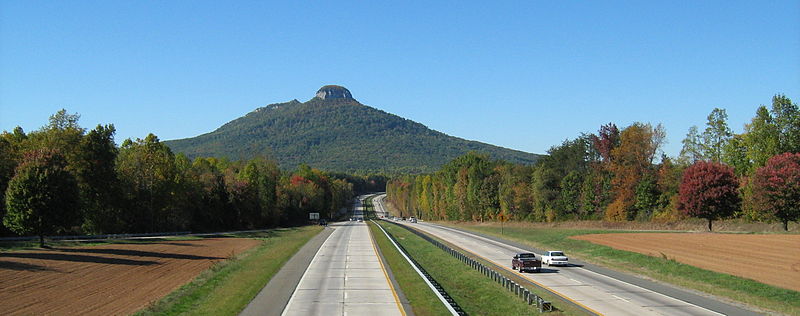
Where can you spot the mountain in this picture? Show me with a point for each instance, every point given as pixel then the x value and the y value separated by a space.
pixel 334 132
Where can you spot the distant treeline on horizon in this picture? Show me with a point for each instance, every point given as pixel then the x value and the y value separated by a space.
pixel 612 175
pixel 63 179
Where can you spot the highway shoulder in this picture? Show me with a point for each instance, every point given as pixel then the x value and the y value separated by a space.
pixel 704 300
pixel 272 299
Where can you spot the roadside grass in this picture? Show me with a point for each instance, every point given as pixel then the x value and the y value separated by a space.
pixel 422 299
pixel 227 287
pixel 475 293
pixel 663 269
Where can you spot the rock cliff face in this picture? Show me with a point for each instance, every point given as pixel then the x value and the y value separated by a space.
pixel 334 92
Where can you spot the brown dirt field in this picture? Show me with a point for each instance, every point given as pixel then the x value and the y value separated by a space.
pixel 112 279
pixel 770 259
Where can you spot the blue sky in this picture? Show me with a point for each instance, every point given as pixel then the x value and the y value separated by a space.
pixel 523 75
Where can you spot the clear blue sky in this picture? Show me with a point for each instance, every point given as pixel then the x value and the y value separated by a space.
pixel 523 75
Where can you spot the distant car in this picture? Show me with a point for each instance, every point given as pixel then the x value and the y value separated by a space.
pixel 412 219
pixel 526 261
pixel 360 220
pixel 323 222
pixel 555 258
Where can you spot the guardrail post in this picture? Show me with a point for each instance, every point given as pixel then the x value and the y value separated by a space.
pixel 526 295
pixel 547 306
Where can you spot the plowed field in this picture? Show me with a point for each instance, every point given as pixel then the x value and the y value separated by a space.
pixel 113 279
pixel 770 259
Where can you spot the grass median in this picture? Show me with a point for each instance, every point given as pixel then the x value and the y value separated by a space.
pixel 475 293
pixel 227 287
pixel 422 299
pixel 663 269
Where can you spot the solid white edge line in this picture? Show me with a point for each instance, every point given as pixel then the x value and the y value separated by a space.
pixel 582 269
pixel 439 295
pixel 289 303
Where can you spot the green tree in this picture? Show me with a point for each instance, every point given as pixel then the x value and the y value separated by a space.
pixel 761 138
pixel 9 158
pixel 646 197
pixel 570 193
pixel 262 177
pixel 787 121
pixel 734 154
pixel 692 150
pixel 98 181
pixel 149 177
pixel 63 134
pixel 42 198
pixel 716 135
pixel 545 191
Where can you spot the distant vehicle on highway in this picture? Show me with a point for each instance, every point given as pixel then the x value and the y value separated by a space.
pixel 555 258
pixel 526 261
pixel 412 219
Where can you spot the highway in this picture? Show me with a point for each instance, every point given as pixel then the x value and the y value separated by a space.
pixel 346 277
pixel 596 292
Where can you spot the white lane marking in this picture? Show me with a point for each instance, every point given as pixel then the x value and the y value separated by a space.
pixel 435 291
pixel 581 269
pixel 316 255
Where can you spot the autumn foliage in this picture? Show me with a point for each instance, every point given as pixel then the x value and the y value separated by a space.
pixel 777 188
pixel 709 190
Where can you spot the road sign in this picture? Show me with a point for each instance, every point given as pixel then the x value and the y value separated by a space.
pixel 313 215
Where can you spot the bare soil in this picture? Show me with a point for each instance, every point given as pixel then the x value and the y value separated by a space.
pixel 770 259
pixel 111 279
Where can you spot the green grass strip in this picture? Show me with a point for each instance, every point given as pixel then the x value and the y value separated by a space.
pixel 475 293
pixel 663 269
pixel 422 299
pixel 227 287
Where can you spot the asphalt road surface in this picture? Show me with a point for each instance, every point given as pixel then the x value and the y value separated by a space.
pixel 346 277
pixel 596 292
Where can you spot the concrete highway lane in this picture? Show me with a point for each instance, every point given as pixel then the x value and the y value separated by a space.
pixel 346 277
pixel 599 293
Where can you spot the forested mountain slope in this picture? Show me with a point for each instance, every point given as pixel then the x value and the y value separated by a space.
pixel 333 131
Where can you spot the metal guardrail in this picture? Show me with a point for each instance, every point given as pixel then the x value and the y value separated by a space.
pixel 520 291
pixel 440 292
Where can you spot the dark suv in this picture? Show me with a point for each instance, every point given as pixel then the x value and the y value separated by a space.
pixel 526 261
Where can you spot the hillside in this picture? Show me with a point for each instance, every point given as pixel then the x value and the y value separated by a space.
pixel 333 131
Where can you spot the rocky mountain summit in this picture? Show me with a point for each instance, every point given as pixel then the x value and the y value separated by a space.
pixel 334 92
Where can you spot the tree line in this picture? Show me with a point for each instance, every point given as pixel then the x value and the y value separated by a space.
pixel 614 175
pixel 63 179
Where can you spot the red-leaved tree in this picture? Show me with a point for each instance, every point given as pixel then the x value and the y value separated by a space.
pixel 709 190
pixel 777 188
